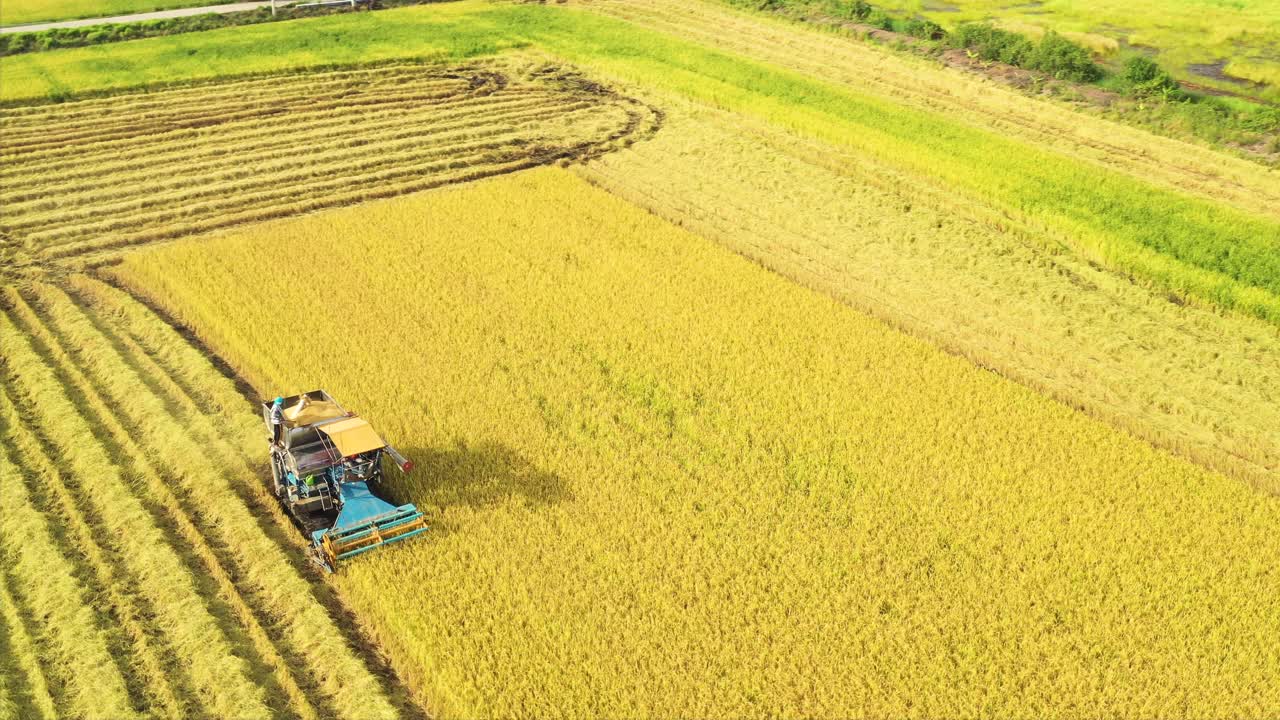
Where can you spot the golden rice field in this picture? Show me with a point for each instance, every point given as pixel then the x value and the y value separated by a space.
pixel 936 266
pixel 747 370
pixel 658 468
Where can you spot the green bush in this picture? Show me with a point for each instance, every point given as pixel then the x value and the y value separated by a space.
pixel 991 43
pixel 1263 120
pixel 1063 59
pixel 924 29
pixel 879 19
pixel 1145 77
pixel 1054 54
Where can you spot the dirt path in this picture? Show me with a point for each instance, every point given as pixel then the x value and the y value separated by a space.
pixel 140 17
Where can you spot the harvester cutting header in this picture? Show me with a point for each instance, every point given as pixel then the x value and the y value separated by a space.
pixel 324 463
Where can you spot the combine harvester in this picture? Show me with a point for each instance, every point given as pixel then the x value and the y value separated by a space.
pixel 324 463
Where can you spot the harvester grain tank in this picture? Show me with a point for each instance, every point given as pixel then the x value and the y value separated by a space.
pixel 325 462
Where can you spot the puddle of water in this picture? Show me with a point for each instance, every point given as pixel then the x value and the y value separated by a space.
pixel 1217 71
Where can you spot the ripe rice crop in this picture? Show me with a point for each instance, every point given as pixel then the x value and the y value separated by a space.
pixel 655 469
pixel 24 691
pixel 1185 377
pixel 651 467
pixel 137 581
pixel 88 680
pixel 126 169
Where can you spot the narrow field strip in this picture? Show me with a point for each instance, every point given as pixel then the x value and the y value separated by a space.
pixel 136 208
pixel 286 170
pixel 132 119
pixel 316 126
pixel 111 149
pixel 24 692
pixel 94 141
pixel 324 141
pixel 71 632
pixel 166 684
pixel 267 96
pixel 124 168
pixel 46 327
pixel 222 678
pixel 909 80
pixel 265 591
pixel 165 94
pixel 195 119
pixel 152 98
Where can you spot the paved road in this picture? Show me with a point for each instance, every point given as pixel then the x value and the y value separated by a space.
pixel 158 15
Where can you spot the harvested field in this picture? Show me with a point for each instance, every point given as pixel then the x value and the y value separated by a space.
pixel 127 169
pixel 138 582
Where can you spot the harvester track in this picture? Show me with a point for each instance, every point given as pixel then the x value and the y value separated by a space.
pixel 105 382
pixel 202 391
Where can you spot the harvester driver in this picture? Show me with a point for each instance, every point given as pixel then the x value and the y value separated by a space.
pixel 277 419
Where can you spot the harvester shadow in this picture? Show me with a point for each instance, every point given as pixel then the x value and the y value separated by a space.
pixel 481 475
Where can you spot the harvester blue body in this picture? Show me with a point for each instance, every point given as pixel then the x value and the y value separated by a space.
pixel 324 464
pixel 366 522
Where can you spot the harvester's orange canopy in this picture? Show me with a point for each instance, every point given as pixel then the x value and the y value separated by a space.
pixel 352 436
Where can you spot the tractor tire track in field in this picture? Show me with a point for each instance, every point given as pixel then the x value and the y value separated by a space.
pixel 130 375
pixel 173 514
pixel 211 155
pixel 223 665
pixel 24 692
pixel 166 687
pixel 174 359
